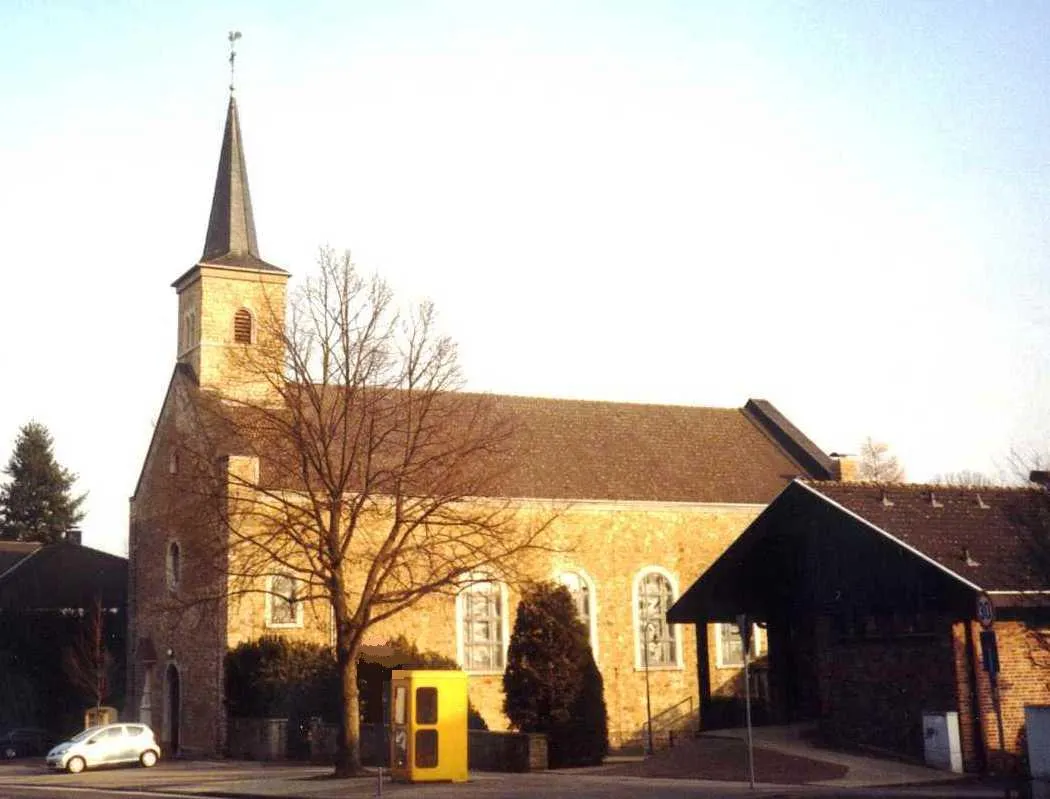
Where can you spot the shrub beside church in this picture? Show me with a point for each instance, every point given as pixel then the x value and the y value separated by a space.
pixel 552 684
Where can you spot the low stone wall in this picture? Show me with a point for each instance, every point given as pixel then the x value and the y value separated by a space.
pixel 507 751
pixel 375 743
pixel 267 739
pixel 258 739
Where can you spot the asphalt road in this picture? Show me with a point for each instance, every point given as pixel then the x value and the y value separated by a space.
pixel 239 780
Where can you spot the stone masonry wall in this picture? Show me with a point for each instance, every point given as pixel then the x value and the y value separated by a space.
pixel 214 297
pixel 611 544
pixel 187 635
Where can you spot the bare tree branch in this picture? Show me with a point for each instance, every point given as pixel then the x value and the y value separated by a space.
pixel 362 470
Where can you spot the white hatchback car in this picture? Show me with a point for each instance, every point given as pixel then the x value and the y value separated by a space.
pixel 109 743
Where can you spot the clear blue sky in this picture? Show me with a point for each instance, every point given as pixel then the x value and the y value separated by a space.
pixel 840 207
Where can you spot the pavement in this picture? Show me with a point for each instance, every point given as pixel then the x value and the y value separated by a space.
pixel 788 764
pixel 862 771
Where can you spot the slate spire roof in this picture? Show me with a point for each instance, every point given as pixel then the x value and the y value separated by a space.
pixel 231 240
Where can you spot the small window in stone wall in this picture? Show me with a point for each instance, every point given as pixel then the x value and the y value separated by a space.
pixel 173 567
pixel 730 652
pixel 283 606
pixel 242 326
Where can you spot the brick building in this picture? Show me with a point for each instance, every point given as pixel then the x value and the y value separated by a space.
pixel 868 595
pixel 649 495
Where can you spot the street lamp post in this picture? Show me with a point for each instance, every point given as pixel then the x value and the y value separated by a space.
pixel 649 635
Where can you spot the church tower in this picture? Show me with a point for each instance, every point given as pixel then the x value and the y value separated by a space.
pixel 231 303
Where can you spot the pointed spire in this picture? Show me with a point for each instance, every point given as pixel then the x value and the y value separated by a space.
pixel 231 228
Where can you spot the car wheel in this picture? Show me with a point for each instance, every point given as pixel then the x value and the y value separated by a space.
pixel 149 758
pixel 10 752
pixel 75 765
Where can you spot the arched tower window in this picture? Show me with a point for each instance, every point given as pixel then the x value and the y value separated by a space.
pixel 242 326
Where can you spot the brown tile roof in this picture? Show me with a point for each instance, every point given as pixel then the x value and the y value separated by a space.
pixel 589 450
pixel 575 449
pixel 984 536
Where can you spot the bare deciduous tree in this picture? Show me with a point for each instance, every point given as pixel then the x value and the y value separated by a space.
pixel 877 463
pixel 964 478
pixel 88 662
pixel 375 475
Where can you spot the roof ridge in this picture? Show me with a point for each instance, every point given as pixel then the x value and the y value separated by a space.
pixel 913 487
pixel 579 400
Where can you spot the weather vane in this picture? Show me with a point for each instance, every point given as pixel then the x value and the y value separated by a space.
pixel 233 37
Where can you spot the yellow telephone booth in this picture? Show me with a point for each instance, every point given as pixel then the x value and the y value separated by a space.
pixel 428 720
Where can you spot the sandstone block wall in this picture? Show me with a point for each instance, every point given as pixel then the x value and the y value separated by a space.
pixel 611 544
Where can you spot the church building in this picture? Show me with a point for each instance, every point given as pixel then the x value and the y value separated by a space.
pixel 650 496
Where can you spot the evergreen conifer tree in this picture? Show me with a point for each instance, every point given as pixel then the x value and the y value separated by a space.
pixel 36 503
pixel 552 684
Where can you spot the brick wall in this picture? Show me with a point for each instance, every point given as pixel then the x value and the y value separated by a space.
pixel 874 692
pixel 1024 679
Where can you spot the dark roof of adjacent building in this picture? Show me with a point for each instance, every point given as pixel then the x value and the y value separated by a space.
pixel 985 537
pixel 821 545
pixel 11 552
pixel 64 575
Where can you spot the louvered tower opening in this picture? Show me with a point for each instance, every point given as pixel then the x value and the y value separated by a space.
pixel 242 327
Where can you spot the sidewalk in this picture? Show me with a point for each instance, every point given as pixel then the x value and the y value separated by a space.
pixel 861 770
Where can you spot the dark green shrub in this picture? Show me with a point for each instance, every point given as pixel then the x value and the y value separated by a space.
pixel 552 684
pixel 374 678
pixel 275 678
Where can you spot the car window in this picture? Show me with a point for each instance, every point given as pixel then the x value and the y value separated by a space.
pixel 80 736
pixel 114 732
pixel 134 729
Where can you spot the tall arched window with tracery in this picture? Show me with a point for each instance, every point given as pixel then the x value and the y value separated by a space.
pixel 656 642
pixel 582 591
pixel 481 629
pixel 242 326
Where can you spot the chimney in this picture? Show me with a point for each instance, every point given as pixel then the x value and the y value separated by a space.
pixel 846 467
pixel 1040 478
pixel 72 535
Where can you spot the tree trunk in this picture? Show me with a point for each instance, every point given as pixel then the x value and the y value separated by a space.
pixel 348 754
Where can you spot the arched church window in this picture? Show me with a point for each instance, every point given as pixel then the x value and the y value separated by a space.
pixel 481 632
pixel 656 640
pixel 242 326
pixel 582 591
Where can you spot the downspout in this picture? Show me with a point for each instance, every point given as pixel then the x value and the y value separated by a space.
pixel 975 704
